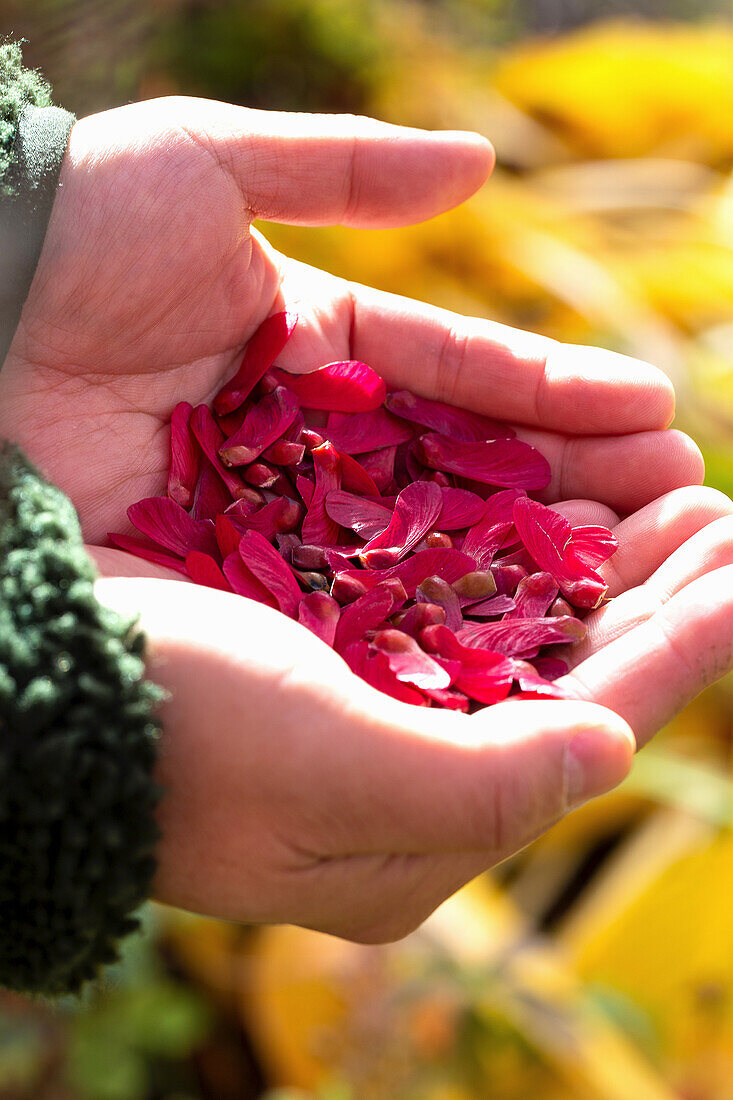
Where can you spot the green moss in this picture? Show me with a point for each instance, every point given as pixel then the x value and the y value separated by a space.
pixel 77 749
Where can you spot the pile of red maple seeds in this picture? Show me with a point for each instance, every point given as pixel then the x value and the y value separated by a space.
pixel 398 529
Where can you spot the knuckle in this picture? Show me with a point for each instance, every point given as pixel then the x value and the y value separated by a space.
pixel 568 467
pixel 451 364
pixel 500 825
pixel 542 388
pixel 688 666
pixel 488 810
pixel 351 182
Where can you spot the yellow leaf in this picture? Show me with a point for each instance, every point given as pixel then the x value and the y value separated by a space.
pixel 659 927
pixel 535 991
pixel 626 89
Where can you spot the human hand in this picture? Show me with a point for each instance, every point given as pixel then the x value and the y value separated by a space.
pixel 151 281
pixel 296 793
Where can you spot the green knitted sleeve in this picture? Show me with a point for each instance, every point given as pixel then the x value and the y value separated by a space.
pixel 77 719
pixel 19 88
pixel 77 749
pixel 33 139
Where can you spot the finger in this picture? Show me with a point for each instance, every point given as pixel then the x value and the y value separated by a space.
pixel 708 550
pixel 504 372
pixel 500 371
pixel 622 472
pixel 308 169
pixel 673 519
pixel 581 512
pixel 653 671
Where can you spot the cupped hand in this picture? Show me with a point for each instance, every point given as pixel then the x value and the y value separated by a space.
pixel 297 793
pixel 151 280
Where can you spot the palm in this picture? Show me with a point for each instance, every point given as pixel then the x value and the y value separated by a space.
pixel 145 333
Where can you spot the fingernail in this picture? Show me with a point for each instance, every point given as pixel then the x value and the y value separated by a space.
pixel 596 760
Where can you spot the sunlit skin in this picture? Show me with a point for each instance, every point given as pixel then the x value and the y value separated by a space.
pixel 294 791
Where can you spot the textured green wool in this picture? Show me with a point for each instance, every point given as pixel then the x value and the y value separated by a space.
pixel 77 748
pixel 19 88
pixel 33 139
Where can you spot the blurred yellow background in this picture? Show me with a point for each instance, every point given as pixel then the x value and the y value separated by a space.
pixel 598 964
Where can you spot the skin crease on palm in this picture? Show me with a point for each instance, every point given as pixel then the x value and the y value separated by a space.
pixel 294 791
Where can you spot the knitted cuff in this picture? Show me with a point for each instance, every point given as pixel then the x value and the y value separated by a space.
pixel 33 140
pixel 77 749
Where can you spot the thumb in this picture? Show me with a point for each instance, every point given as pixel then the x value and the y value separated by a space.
pixel 488 783
pixel 338 169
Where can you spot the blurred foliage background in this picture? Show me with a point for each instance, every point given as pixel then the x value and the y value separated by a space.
pixel 598 964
